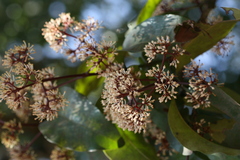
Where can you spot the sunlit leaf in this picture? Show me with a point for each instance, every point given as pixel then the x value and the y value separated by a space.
pixel 80 126
pixel 135 148
pixel 90 86
pixel 149 30
pixel 147 10
pixel 189 138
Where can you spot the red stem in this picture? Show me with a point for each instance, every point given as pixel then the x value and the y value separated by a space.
pixel 78 76
pixel 32 141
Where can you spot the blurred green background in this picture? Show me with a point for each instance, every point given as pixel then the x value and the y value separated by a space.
pixel 23 20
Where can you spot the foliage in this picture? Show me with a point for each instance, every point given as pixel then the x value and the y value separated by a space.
pixel 146 99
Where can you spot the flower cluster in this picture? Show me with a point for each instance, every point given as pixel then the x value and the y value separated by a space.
pixel 9 135
pixel 102 58
pixel 165 47
pixel 164 6
pixel 213 18
pixel 23 79
pixel 202 127
pixel 57 30
pixel 223 46
pixel 12 83
pixel 21 152
pixel 127 96
pixel 48 100
pixel 200 84
pixel 101 54
pixel 164 85
pixel 164 149
pixel 154 48
pixel 123 102
pixel 61 154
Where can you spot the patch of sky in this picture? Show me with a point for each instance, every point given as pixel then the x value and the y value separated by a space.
pixel 56 8
pixel 230 61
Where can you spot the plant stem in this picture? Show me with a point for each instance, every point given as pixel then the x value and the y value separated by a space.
pixel 183 83
pixel 82 75
pixel 32 141
pixel 78 76
pixel 67 34
pixel 2 122
pixel 148 80
pixel 150 86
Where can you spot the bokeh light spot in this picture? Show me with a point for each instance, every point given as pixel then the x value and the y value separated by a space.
pixel 14 11
pixel 32 8
pixel 109 36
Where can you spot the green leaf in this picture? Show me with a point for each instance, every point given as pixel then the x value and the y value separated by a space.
pixel 230 107
pixel 217 130
pixel 194 156
pixel 231 93
pixel 135 148
pixel 221 156
pixel 80 126
pixel 189 138
pixel 236 12
pixel 160 119
pixel 147 10
pixel 209 36
pixel 89 86
pixel 225 103
pixel 200 155
pixel 96 155
pixel 149 30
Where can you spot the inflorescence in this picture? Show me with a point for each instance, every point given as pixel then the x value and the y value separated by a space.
pixel 127 96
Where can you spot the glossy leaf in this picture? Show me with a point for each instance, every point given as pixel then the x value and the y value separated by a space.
pixel 149 30
pixel 135 148
pixel 80 126
pixel 147 10
pixel 189 138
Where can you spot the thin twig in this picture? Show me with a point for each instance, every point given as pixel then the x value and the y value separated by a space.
pixel 32 141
